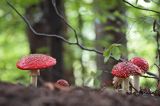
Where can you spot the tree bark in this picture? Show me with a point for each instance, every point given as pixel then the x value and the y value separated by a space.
pixel 113 35
pixel 44 19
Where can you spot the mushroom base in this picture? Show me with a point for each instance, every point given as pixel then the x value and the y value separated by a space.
pixel 34 76
pixel 136 82
pixel 125 85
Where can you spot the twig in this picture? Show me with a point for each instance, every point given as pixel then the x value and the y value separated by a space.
pixel 60 37
pixel 53 35
pixel 157 38
pixel 157 12
pixel 75 33
pixel 155 77
pixel 133 87
pixel 151 74
pixel 157 66
pixel 36 33
pixel 155 29
pixel 58 14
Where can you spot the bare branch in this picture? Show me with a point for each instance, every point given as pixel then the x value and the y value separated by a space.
pixel 62 38
pixel 36 33
pixel 157 66
pixel 155 29
pixel 58 14
pixel 75 33
pixel 145 9
pixel 53 35
pixel 155 77
pixel 157 38
pixel 133 87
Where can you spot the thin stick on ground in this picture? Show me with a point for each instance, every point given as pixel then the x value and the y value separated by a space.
pixel 132 87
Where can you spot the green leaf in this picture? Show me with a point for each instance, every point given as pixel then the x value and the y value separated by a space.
pixel 114 50
pixel 107 54
pixel 116 53
pixel 136 1
pixel 106 59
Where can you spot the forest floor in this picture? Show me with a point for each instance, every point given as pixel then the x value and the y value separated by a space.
pixel 18 95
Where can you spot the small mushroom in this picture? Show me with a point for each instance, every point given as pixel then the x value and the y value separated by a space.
pixel 123 70
pixel 59 85
pixel 62 84
pixel 143 65
pixel 34 63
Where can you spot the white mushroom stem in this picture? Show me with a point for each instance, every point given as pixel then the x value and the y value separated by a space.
pixel 121 81
pixel 34 76
pixel 136 82
pixel 117 81
pixel 125 85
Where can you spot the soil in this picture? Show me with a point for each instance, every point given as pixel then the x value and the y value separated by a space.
pixel 19 95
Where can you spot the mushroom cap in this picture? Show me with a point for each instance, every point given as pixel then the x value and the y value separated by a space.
pixel 125 69
pixel 141 63
pixel 62 82
pixel 35 62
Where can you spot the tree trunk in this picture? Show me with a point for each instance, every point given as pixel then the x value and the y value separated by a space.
pixel 44 19
pixel 111 32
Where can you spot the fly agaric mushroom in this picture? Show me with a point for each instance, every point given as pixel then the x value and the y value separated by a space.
pixel 62 84
pixel 143 65
pixel 59 85
pixel 123 70
pixel 34 63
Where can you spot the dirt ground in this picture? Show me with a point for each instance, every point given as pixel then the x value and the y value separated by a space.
pixel 18 95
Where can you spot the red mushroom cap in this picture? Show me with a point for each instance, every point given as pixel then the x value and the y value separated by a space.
pixel 35 62
pixel 62 82
pixel 141 63
pixel 125 69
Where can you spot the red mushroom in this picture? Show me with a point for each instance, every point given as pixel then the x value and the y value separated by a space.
pixel 59 85
pixel 62 84
pixel 123 70
pixel 34 63
pixel 143 65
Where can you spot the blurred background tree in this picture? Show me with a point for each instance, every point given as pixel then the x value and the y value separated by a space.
pixel 110 26
pixel 45 20
pixel 98 24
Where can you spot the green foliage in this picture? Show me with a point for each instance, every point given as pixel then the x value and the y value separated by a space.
pixel 114 51
pixel 148 83
pixel 13 42
pixel 12 48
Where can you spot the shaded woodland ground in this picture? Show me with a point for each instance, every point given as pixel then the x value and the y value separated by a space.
pixel 18 95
